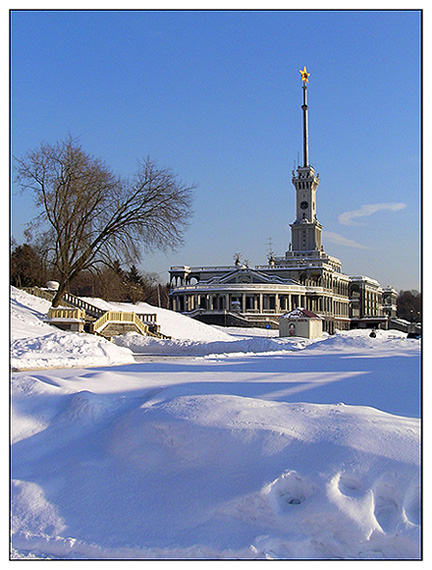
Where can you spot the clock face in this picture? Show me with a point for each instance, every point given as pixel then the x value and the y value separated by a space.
pixel 304 205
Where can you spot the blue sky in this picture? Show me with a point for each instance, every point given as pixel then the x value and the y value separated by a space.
pixel 215 96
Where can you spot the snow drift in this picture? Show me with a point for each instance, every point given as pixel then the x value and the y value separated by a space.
pixel 253 344
pixel 217 476
pixel 249 454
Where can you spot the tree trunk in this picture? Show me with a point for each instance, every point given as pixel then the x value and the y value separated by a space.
pixel 59 294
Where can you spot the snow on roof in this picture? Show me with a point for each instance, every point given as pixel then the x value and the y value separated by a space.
pixel 300 313
pixel 363 278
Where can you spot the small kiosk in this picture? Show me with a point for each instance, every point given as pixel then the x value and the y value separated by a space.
pixel 300 322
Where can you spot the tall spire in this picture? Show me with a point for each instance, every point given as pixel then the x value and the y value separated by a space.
pixel 306 230
pixel 305 80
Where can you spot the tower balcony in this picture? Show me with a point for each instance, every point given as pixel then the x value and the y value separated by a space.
pixel 304 172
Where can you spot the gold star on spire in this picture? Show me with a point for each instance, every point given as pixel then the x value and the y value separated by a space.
pixel 304 74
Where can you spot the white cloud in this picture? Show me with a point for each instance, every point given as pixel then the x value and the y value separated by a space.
pixel 347 218
pixel 341 240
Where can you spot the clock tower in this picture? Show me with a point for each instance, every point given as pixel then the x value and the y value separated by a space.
pixel 305 230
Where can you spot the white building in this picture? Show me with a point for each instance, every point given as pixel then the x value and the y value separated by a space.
pixel 302 323
pixel 306 276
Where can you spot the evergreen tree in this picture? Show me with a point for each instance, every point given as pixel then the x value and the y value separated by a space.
pixel 409 306
pixel 27 268
pixel 134 276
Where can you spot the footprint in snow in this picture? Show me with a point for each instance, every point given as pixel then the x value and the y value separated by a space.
pixel 351 485
pixel 388 508
pixel 289 490
pixel 412 502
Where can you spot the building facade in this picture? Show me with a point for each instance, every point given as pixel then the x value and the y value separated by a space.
pixel 305 277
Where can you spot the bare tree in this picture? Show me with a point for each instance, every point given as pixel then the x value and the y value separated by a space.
pixel 90 216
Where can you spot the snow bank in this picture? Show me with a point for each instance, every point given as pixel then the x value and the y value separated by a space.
pixel 254 344
pixel 65 349
pixel 36 344
pixel 361 339
pixel 216 476
pixel 26 315
pixel 250 454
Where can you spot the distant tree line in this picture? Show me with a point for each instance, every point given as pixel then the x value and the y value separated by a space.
pixel 409 306
pixel 113 283
pixel 110 282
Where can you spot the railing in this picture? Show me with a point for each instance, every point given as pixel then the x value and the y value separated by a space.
pixel 91 310
pixel 62 313
pixel 209 288
pixel 37 292
pixel 67 299
pixel 188 269
pixel 119 317
pixel 158 335
pixel 80 309
pixel 147 317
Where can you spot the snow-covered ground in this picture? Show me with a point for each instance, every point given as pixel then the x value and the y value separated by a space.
pixel 242 446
